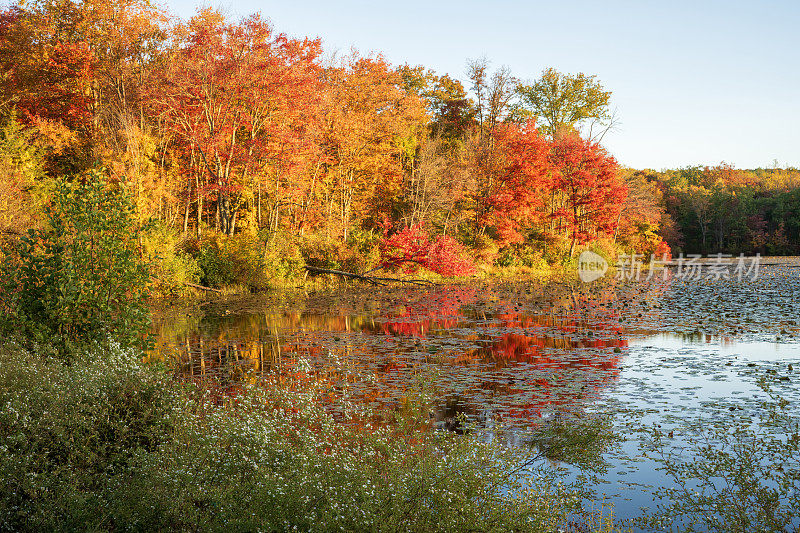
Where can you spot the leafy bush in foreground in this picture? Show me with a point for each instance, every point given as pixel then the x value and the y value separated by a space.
pixel 106 443
pixel 78 280
pixel 65 430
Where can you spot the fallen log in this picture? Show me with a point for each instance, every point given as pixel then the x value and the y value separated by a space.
pixel 192 285
pixel 374 280
pixel 201 287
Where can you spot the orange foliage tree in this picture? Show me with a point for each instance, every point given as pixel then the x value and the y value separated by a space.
pixel 233 95
pixel 367 113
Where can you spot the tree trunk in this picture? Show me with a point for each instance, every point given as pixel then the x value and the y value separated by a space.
pixel 225 214
pixel 216 213
pixel 199 204
pixel 186 208
pixel 259 205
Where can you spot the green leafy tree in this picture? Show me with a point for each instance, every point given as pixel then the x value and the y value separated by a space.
pixel 79 279
pixel 451 111
pixel 564 102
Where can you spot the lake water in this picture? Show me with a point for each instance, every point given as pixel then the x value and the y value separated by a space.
pixel 515 357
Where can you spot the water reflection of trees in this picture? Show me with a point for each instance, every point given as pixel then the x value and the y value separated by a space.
pixel 479 352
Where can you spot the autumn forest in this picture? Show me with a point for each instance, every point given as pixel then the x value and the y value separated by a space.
pixel 235 140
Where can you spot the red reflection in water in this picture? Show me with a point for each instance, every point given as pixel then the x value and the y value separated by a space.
pixel 591 330
pixel 525 364
pixel 439 309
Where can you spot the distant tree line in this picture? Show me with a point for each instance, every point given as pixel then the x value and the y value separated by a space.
pixel 721 209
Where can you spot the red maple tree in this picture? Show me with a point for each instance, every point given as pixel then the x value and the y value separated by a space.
pixel 518 197
pixel 45 74
pixel 238 96
pixel 590 188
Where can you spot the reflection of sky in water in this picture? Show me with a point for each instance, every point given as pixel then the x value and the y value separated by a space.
pixel 678 380
pixel 507 357
pixel 752 350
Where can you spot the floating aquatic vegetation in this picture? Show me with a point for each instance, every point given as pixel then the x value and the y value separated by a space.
pixel 509 357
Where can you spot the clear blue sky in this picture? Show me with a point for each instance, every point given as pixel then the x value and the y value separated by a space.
pixel 694 82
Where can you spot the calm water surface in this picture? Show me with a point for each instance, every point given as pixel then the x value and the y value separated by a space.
pixel 519 356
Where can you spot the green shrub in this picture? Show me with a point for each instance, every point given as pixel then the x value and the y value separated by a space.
pixel 605 248
pixel 486 249
pixel 67 429
pixel 643 238
pixel 283 257
pixel 226 261
pixel 215 271
pixel 522 256
pixel 358 254
pixel 317 251
pixel 365 246
pixel 245 260
pixel 24 186
pixel 557 250
pixel 79 279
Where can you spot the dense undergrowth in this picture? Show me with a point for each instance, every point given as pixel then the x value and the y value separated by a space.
pixel 256 263
pixel 107 443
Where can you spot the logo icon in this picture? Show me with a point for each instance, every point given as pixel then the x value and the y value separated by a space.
pixel 591 266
